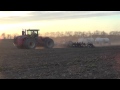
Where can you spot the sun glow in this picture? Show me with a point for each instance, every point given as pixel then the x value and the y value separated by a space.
pixel 106 23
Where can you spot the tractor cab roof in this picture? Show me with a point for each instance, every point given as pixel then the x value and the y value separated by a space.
pixel 33 30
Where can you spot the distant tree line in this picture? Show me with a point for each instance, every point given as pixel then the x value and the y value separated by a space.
pixel 82 34
pixel 8 36
pixel 76 34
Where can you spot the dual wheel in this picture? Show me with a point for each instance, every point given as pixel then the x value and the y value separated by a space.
pixel 31 44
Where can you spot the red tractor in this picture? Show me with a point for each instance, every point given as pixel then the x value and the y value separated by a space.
pixel 30 40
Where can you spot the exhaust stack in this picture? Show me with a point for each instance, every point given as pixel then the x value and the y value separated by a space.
pixel 23 32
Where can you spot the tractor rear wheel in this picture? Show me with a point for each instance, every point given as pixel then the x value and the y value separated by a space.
pixel 48 43
pixel 30 44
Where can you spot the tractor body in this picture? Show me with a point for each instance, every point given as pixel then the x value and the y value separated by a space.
pixel 30 40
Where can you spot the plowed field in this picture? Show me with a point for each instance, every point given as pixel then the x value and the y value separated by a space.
pixel 59 63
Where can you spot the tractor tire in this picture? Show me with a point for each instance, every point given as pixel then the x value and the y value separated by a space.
pixel 29 44
pixel 48 43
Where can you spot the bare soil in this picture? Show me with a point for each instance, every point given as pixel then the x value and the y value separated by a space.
pixel 59 63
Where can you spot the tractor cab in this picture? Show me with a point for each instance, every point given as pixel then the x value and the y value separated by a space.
pixel 31 32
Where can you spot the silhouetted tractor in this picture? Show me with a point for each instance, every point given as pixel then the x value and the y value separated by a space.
pixel 30 40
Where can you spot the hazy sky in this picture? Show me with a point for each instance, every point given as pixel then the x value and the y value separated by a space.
pixel 49 21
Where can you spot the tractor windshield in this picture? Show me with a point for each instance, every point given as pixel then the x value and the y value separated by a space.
pixel 31 32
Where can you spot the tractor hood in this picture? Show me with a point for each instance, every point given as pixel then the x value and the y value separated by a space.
pixel 21 37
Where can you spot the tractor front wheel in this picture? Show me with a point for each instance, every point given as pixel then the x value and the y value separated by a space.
pixel 30 44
